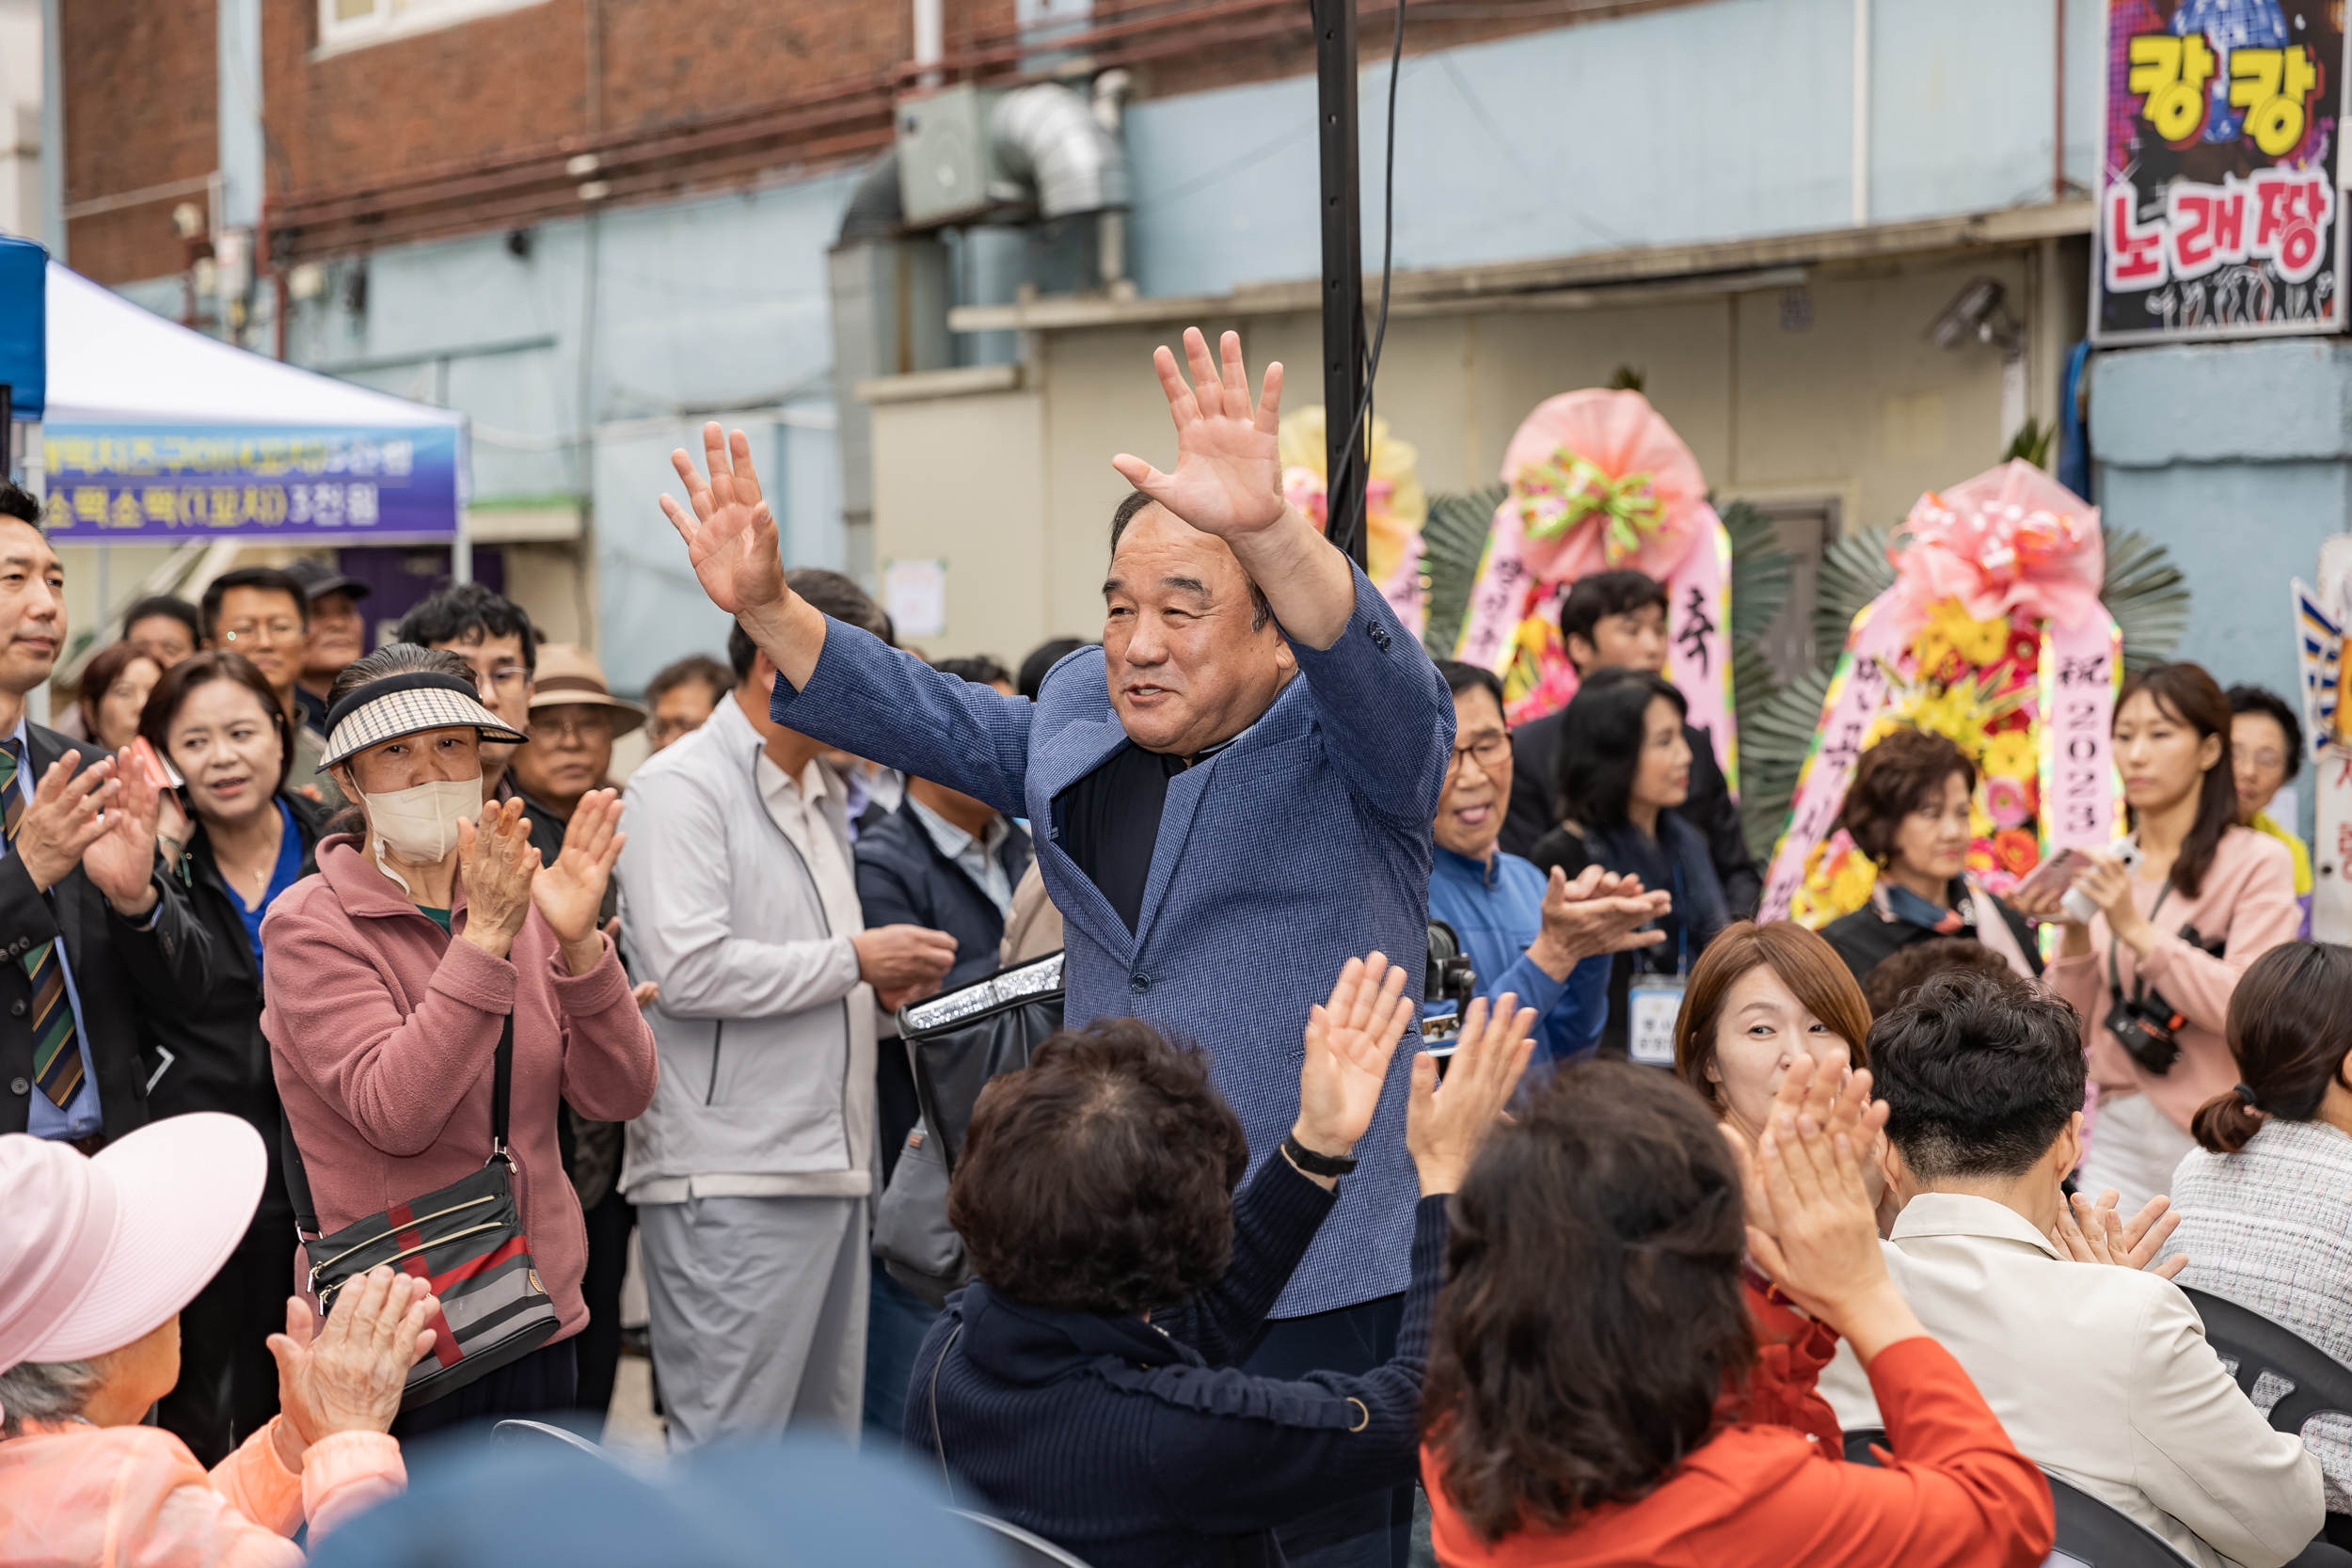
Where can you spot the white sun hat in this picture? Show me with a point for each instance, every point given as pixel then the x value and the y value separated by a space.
pixel 96 1252
pixel 407 703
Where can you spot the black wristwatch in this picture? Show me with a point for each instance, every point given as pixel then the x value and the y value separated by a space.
pixel 1312 1164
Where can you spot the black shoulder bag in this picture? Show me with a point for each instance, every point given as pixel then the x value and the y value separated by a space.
pixel 467 1238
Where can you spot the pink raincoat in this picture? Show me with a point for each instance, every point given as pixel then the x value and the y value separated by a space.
pixel 134 1497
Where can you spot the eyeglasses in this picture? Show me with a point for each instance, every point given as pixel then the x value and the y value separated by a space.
pixel 505 681
pixel 661 730
pixel 2265 759
pixel 590 726
pixel 282 629
pixel 1489 748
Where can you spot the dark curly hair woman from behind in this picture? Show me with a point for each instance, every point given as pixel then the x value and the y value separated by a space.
pixel 1603 1229
pixel 1101 1180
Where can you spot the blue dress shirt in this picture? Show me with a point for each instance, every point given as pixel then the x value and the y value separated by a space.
pixel 1496 907
pixel 80 1116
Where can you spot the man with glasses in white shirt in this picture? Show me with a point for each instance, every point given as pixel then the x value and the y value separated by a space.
pixel 263 614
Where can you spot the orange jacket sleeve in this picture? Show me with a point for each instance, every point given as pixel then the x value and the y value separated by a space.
pixel 1791 1349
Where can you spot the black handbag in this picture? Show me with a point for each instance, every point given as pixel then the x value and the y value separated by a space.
pixel 957 1041
pixel 467 1238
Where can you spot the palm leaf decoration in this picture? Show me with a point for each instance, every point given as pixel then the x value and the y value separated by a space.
pixel 1773 740
pixel 1451 542
pixel 1855 570
pixel 2148 596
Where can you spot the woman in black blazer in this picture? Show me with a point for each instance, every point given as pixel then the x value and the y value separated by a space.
pixel 236 836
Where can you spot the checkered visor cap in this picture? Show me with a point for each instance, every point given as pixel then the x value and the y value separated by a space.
pixel 407 703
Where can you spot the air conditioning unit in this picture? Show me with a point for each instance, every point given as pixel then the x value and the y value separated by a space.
pixel 947 164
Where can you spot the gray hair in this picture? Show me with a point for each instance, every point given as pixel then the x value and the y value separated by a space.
pixel 1134 501
pixel 45 1391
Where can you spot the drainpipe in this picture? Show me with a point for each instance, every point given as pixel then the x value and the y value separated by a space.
pixel 1110 230
pixel 929 37
pixel 1861 113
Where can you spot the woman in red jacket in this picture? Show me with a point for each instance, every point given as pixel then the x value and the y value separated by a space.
pixel 1596 1393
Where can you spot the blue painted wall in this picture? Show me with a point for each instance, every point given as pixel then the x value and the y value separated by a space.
pixel 2238 458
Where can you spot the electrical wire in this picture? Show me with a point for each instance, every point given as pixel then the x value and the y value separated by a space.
pixel 1358 444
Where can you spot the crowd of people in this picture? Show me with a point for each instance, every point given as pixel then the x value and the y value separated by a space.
pixel 1699 1239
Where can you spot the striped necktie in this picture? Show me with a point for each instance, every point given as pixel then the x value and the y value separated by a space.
pixel 57 1050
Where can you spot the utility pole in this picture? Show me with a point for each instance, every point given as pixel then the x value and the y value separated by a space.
pixel 1343 350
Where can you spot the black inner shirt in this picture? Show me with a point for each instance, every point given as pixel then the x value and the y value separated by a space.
pixel 1109 822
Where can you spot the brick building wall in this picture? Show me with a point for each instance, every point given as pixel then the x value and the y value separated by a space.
pixel 139 84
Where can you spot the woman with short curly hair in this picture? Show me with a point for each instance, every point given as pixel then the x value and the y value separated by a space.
pixel 1908 810
pixel 1084 1385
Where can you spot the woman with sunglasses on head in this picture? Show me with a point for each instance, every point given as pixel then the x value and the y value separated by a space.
pixel 233 839
pixel 2152 972
pixel 396 971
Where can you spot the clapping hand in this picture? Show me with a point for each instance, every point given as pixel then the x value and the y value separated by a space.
pixel 1835 1101
pixel 348 1376
pixel 120 863
pixel 1350 1039
pixel 1597 913
pixel 569 893
pixel 1823 1246
pixel 497 864
pixel 1444 1124
pixel 1228 461
pixel 65 816
pixel 2088 1232
pixel 730 535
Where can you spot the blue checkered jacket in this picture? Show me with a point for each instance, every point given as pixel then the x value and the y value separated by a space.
pixel 1303 843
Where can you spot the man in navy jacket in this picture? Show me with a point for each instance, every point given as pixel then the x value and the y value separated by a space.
pixel 1257 730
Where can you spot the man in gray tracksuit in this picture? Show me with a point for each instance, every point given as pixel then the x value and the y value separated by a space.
pixel 753 1169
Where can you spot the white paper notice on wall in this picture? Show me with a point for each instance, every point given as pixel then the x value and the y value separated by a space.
pixel 914 595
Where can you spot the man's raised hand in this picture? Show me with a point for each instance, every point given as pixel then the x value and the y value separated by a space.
pixel 1350 1039
pixel 1229 462
pixel 730 534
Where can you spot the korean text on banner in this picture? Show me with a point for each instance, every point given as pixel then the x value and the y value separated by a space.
pixel 120 483
pixel 2218 213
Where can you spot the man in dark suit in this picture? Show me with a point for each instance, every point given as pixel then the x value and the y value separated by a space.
pixel 77 878
pixel 1617 621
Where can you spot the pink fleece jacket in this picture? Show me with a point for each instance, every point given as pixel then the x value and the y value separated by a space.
pixel 2247 898
pixel 115 1497
pixel 382 1029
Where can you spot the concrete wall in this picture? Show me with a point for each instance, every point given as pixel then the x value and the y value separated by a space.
pixel 2237 458
pixel 1659 128
pixel 1857 408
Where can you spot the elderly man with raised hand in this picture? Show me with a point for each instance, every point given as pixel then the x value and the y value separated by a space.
pixel 1258 730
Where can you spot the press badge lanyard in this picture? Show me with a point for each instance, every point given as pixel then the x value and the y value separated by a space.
pixel 1654 1001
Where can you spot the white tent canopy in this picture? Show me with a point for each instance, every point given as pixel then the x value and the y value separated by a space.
pixel 113 362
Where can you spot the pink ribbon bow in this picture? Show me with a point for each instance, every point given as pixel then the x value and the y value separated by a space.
pixel 2013 540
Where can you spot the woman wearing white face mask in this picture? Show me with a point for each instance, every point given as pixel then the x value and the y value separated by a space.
pixel 392 973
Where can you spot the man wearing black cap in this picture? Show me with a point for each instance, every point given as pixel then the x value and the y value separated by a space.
pixel 338 633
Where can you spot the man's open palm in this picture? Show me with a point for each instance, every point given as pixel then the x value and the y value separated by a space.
pixel 1350 1039
pixel 730 535
pixel 1229 462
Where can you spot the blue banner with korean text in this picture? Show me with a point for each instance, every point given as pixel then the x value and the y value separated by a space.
pixel 150 483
